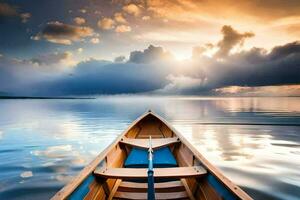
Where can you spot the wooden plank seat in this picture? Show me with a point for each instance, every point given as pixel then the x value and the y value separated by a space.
pixel 135 173
pixel 144 143
pixel 143 196
pixel 170 186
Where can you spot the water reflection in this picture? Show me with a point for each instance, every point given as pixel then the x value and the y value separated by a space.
pixel 253 156
pixel 1 135
pixel 26 174
pixel 46 142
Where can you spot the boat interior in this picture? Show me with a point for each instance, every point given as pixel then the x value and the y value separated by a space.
pixel 122 172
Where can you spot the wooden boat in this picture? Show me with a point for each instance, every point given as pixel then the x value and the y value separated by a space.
pixel 163 166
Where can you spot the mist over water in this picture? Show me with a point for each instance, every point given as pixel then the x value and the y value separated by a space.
pixel 254 141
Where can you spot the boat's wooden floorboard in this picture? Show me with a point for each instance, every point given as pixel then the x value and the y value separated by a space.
pixel 143 196
pixel 171 186
pixel 165 190
pixel 150 128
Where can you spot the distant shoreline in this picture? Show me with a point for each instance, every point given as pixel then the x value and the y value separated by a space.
pixel 27 97
pixel 162 96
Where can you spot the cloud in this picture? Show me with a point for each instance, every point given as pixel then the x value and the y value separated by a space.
pixel 189 10
pixel 24 74
pixel 80 50
pixel 256 68
pixel 120 59
pixel 123 29
pixel 95 40
pixel 179 84
pixel 106 23
pixel 284 51
pixel 7 10
pixel 88 77
pixel 146 18
pixel 198 51
pixel 79 20
pixel 83 10
pixel 57 32
pixel 231 38
pixel 120 18
pixel 102 77
pixel 25 17
pixel 132 9
pixel 65 59
pixel 151 54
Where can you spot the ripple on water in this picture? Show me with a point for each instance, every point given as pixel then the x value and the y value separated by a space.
pixel 26 174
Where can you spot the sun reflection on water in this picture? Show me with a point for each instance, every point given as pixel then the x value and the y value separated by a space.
pixel 250 149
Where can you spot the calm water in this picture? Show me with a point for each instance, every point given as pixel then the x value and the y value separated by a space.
pixel 254 141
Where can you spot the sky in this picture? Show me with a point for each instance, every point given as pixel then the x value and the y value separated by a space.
pixel 155 47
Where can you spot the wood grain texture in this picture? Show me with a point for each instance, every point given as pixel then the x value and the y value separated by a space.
pixel 114 189
pixel 188 190
pixel 144 143
pixel 134 173
pixel 170 186
pixel 208 191
pixel 143 196
pixel 150 126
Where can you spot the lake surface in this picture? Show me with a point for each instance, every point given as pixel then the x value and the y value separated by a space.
pixel 254 141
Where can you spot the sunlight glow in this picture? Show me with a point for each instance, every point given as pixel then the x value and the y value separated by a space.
pixel 182 55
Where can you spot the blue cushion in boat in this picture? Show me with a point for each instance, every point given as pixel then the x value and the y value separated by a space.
pixel 138 158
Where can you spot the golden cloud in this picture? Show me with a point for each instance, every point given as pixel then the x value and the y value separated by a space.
pixel 191 9
pixel 95 40
pixel 123 29
pixel 132 9
pixel 106 23
pixel 79 20
pixel 120 18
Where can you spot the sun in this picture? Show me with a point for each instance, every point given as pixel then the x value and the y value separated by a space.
pixel 180 55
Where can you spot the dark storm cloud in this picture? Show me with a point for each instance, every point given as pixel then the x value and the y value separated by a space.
pixel 120 59
pixel 151 54
pixel 61 33
pixel 285 50
pixel 252 68
pixel 102 77
pixel 87 78
pixel 231 38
